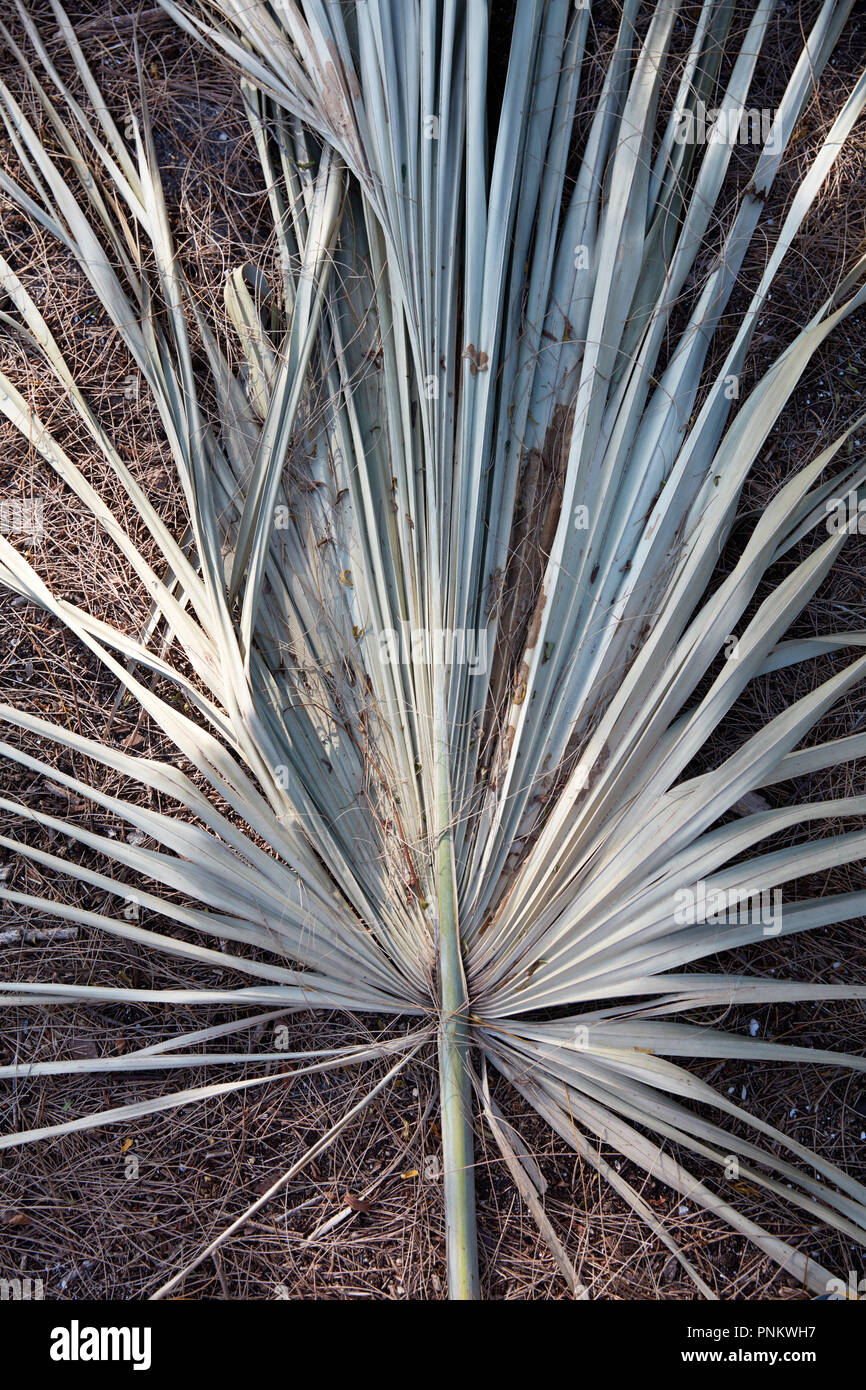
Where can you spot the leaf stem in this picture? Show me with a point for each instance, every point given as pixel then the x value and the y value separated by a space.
pixel 455 1082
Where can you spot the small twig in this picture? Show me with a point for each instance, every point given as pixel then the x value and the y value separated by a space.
pixel 32 938
pixel 144 18
pixel 221 1273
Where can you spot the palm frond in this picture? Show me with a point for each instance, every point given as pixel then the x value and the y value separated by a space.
pixel 449 606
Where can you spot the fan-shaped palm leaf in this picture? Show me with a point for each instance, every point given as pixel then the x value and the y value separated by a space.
pixel 449 595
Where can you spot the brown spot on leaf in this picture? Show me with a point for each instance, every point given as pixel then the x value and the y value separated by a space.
pixel 478 361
